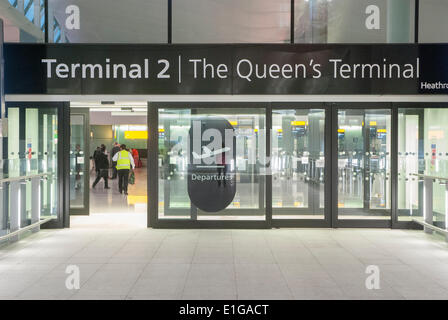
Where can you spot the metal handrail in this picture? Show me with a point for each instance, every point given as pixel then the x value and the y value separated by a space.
pixel 428 177
pixel 428 224
pixel 20 178
pixel 22 230
pixel 431 226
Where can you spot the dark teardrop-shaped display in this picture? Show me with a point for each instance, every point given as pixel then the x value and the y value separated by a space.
pixel 212 161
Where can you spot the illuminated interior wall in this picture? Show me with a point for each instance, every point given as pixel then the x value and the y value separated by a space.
pixel 108 134
pixel 101 134
pixel 134 143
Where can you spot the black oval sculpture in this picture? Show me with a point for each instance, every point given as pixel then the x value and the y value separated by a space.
pixel 212 161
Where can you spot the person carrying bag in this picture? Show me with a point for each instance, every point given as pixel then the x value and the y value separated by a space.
pixel 125 162
pixel 132 177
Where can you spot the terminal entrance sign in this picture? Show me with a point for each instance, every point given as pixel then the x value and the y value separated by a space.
pixel 227 69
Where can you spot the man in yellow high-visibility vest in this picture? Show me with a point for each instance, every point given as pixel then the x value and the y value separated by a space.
pixel 125 162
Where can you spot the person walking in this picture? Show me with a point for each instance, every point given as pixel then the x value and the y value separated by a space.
pixel 94 157
pixel 113 152
pixel 102 168
pixel 125 162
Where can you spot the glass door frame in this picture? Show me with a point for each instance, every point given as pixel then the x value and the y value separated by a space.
pixel 362 223
pixel 310 223
pixel 420 106
pixel 63 218
pixel 153 220
pixel 331 166
pixel 85 113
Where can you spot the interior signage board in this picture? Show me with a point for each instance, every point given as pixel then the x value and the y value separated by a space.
pixel 226 69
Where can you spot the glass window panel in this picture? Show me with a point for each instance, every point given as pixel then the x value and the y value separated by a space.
pixel 432 21
pixel 23 24
pixel 231 21
pixel 48 160
pixel 78 167
pixel 248 203
pixel 344 21
pixel 298 163
pixel 106 21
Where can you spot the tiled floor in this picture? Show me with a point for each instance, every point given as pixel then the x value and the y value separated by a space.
pixel 124 260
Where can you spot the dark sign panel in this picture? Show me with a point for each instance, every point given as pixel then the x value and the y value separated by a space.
pixel 211 168
pixel 226 69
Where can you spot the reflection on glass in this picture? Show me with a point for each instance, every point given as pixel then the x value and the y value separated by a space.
pixel 298 163
pixel 231 21
pixel 364 164
pixel 77 164
pixel 248 129
pixel 106 21
pixel 344 21
pixel 422 149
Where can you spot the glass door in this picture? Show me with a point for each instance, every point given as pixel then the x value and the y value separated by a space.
pixel 363 164
pixel 79 161
pixel 211 164
pixel 298 164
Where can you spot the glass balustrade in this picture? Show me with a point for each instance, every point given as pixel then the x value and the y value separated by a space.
pixel 29 176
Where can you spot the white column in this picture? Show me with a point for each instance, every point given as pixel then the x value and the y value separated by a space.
pixel 21 6
pixel 3 208
pixel 398 21
pixel 37 13
pixel 50 26
pixel 62 34
pixel 446 208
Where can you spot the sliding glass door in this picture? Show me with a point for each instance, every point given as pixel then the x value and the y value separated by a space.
pixel 298 165
pixel 210 164
pixel 363 155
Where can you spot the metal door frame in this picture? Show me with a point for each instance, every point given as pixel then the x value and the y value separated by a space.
pixel 153 174
pixel 311 223
pixel 85 112
pixel 360 223
pixel 63 219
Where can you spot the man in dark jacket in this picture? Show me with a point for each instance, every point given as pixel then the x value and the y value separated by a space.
pixel 102 168
pixel 94 157
pixel 113 152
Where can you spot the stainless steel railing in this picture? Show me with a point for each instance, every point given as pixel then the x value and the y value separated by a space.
pixel 13 226
pixel 428 204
